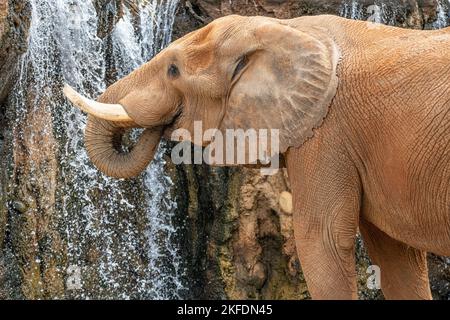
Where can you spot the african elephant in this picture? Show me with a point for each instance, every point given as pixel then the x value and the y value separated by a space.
pixel 363 113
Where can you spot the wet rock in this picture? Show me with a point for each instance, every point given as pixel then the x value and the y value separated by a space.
pixel 405 13
pixel 3 16
pixel 286 202
pixel 439 271
pixel 15 16
pixel 19 206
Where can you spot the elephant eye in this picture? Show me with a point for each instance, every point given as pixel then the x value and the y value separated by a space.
pixel 173 71
pixel 242 63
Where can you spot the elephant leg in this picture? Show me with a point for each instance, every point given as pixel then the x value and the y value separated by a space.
pixel 404 271
pixel 327 253
pixel 326 198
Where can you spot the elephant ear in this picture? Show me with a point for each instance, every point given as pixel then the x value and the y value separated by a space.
pixel 288 84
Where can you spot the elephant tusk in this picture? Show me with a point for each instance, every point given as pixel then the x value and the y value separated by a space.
pixel 105 111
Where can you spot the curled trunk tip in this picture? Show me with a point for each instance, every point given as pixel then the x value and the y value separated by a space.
pixel 103 139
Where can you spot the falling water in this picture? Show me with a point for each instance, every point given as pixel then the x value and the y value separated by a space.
pixel 352 10
pixel 384 12
pixel 101 218
pixel 130 51
pixel 390 12
pixel 443 14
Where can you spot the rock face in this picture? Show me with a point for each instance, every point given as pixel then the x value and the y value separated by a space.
pixel 404 13
pixel 15 19
pixel 242 241
pixel 14 24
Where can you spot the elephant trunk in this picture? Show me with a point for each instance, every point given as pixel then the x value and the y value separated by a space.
pixel 129 103
pixel 103 141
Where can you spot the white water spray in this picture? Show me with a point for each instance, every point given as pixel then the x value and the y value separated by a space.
pixel 387 11
pixel 378 12
pixel 443 14
pixel 130 51
pixel 352 10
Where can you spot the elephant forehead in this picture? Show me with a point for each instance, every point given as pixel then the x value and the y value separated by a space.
pixel 222 33
pixel 217 31
pixel 198 57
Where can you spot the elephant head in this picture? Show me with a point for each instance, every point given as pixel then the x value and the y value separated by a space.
pixel 235 73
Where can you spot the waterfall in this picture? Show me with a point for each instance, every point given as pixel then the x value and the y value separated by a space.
pixel 391 12
pixel 384 12
pixel 443 14
pixel 352 10
pixel 119 236
pixel 130 51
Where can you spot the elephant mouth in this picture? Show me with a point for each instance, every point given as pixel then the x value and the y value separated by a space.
pixel 174 124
